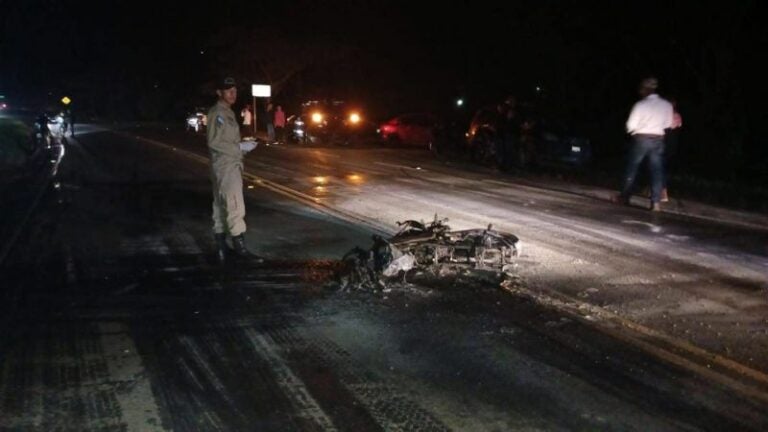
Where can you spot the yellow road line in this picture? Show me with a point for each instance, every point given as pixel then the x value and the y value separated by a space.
pixel 285 191
pixel 682 353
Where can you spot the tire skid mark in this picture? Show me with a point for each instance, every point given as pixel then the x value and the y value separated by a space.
pixel 201 361
pixel 390 408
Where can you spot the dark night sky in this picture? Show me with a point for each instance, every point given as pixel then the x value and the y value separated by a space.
pixel 410 46
pixel 587 55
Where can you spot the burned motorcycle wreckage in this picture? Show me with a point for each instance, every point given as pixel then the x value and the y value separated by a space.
pixel 428 247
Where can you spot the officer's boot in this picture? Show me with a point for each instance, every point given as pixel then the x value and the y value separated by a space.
pixel 221 247
pixel 241 251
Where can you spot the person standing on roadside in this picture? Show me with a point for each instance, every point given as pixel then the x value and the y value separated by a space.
pixel 227 151
pixel 280 124
pixel 270 123
pixel 247 117
pixel 646 124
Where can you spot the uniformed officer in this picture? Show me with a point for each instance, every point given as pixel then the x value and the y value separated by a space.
pixel 227 173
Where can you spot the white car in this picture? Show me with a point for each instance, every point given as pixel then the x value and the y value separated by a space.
pixel 197 121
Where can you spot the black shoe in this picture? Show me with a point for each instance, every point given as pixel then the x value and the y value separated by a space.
pixel 620 199
pixel 241 251
pixel 221 247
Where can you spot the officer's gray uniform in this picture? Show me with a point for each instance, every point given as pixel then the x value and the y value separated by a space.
pixel 226 171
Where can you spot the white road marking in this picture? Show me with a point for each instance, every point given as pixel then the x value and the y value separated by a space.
pixel 306 406
pixel 137 403
pixel 652 227
pixel 415 168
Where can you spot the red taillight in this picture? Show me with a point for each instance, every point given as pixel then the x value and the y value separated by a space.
pixel 387 128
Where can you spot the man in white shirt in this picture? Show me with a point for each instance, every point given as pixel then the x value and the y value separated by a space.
pixel 646 123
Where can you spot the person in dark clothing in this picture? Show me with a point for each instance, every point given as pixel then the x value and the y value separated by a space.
pixel 497 148
pixel 270 119
pixel 70 119
pixel 509 128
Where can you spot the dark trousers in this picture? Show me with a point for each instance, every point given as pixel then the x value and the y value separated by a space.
pixel 645 146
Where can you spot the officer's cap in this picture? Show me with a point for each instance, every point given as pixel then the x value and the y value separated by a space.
pixel 226 83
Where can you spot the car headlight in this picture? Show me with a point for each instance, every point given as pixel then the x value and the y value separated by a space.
pixel 317 117
pixel 354 118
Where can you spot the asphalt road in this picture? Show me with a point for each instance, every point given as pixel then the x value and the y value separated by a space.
pixel 697 279
pixel 116 317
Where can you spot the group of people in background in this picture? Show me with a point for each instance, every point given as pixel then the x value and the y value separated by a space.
pixel 275 121
pixel 654 124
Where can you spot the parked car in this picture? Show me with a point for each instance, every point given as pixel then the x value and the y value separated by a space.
pixel 197 120
pixel 555 143
pixel 329 122
pixel 418 129
pixel 526 139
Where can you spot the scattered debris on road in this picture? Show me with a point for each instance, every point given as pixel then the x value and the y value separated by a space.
pixel 432 248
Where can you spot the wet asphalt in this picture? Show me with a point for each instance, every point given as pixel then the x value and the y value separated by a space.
pixel 117 318
pixel 692 276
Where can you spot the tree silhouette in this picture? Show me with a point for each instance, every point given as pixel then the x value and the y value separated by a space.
pixel 268 55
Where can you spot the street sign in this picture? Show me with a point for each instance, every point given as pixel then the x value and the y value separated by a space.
pixel 65 100
pixel 261 90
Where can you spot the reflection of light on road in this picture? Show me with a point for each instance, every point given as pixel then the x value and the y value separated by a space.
pixel 652 227
pixel 355 179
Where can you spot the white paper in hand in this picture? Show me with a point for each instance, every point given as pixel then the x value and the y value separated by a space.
pixel 247 146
